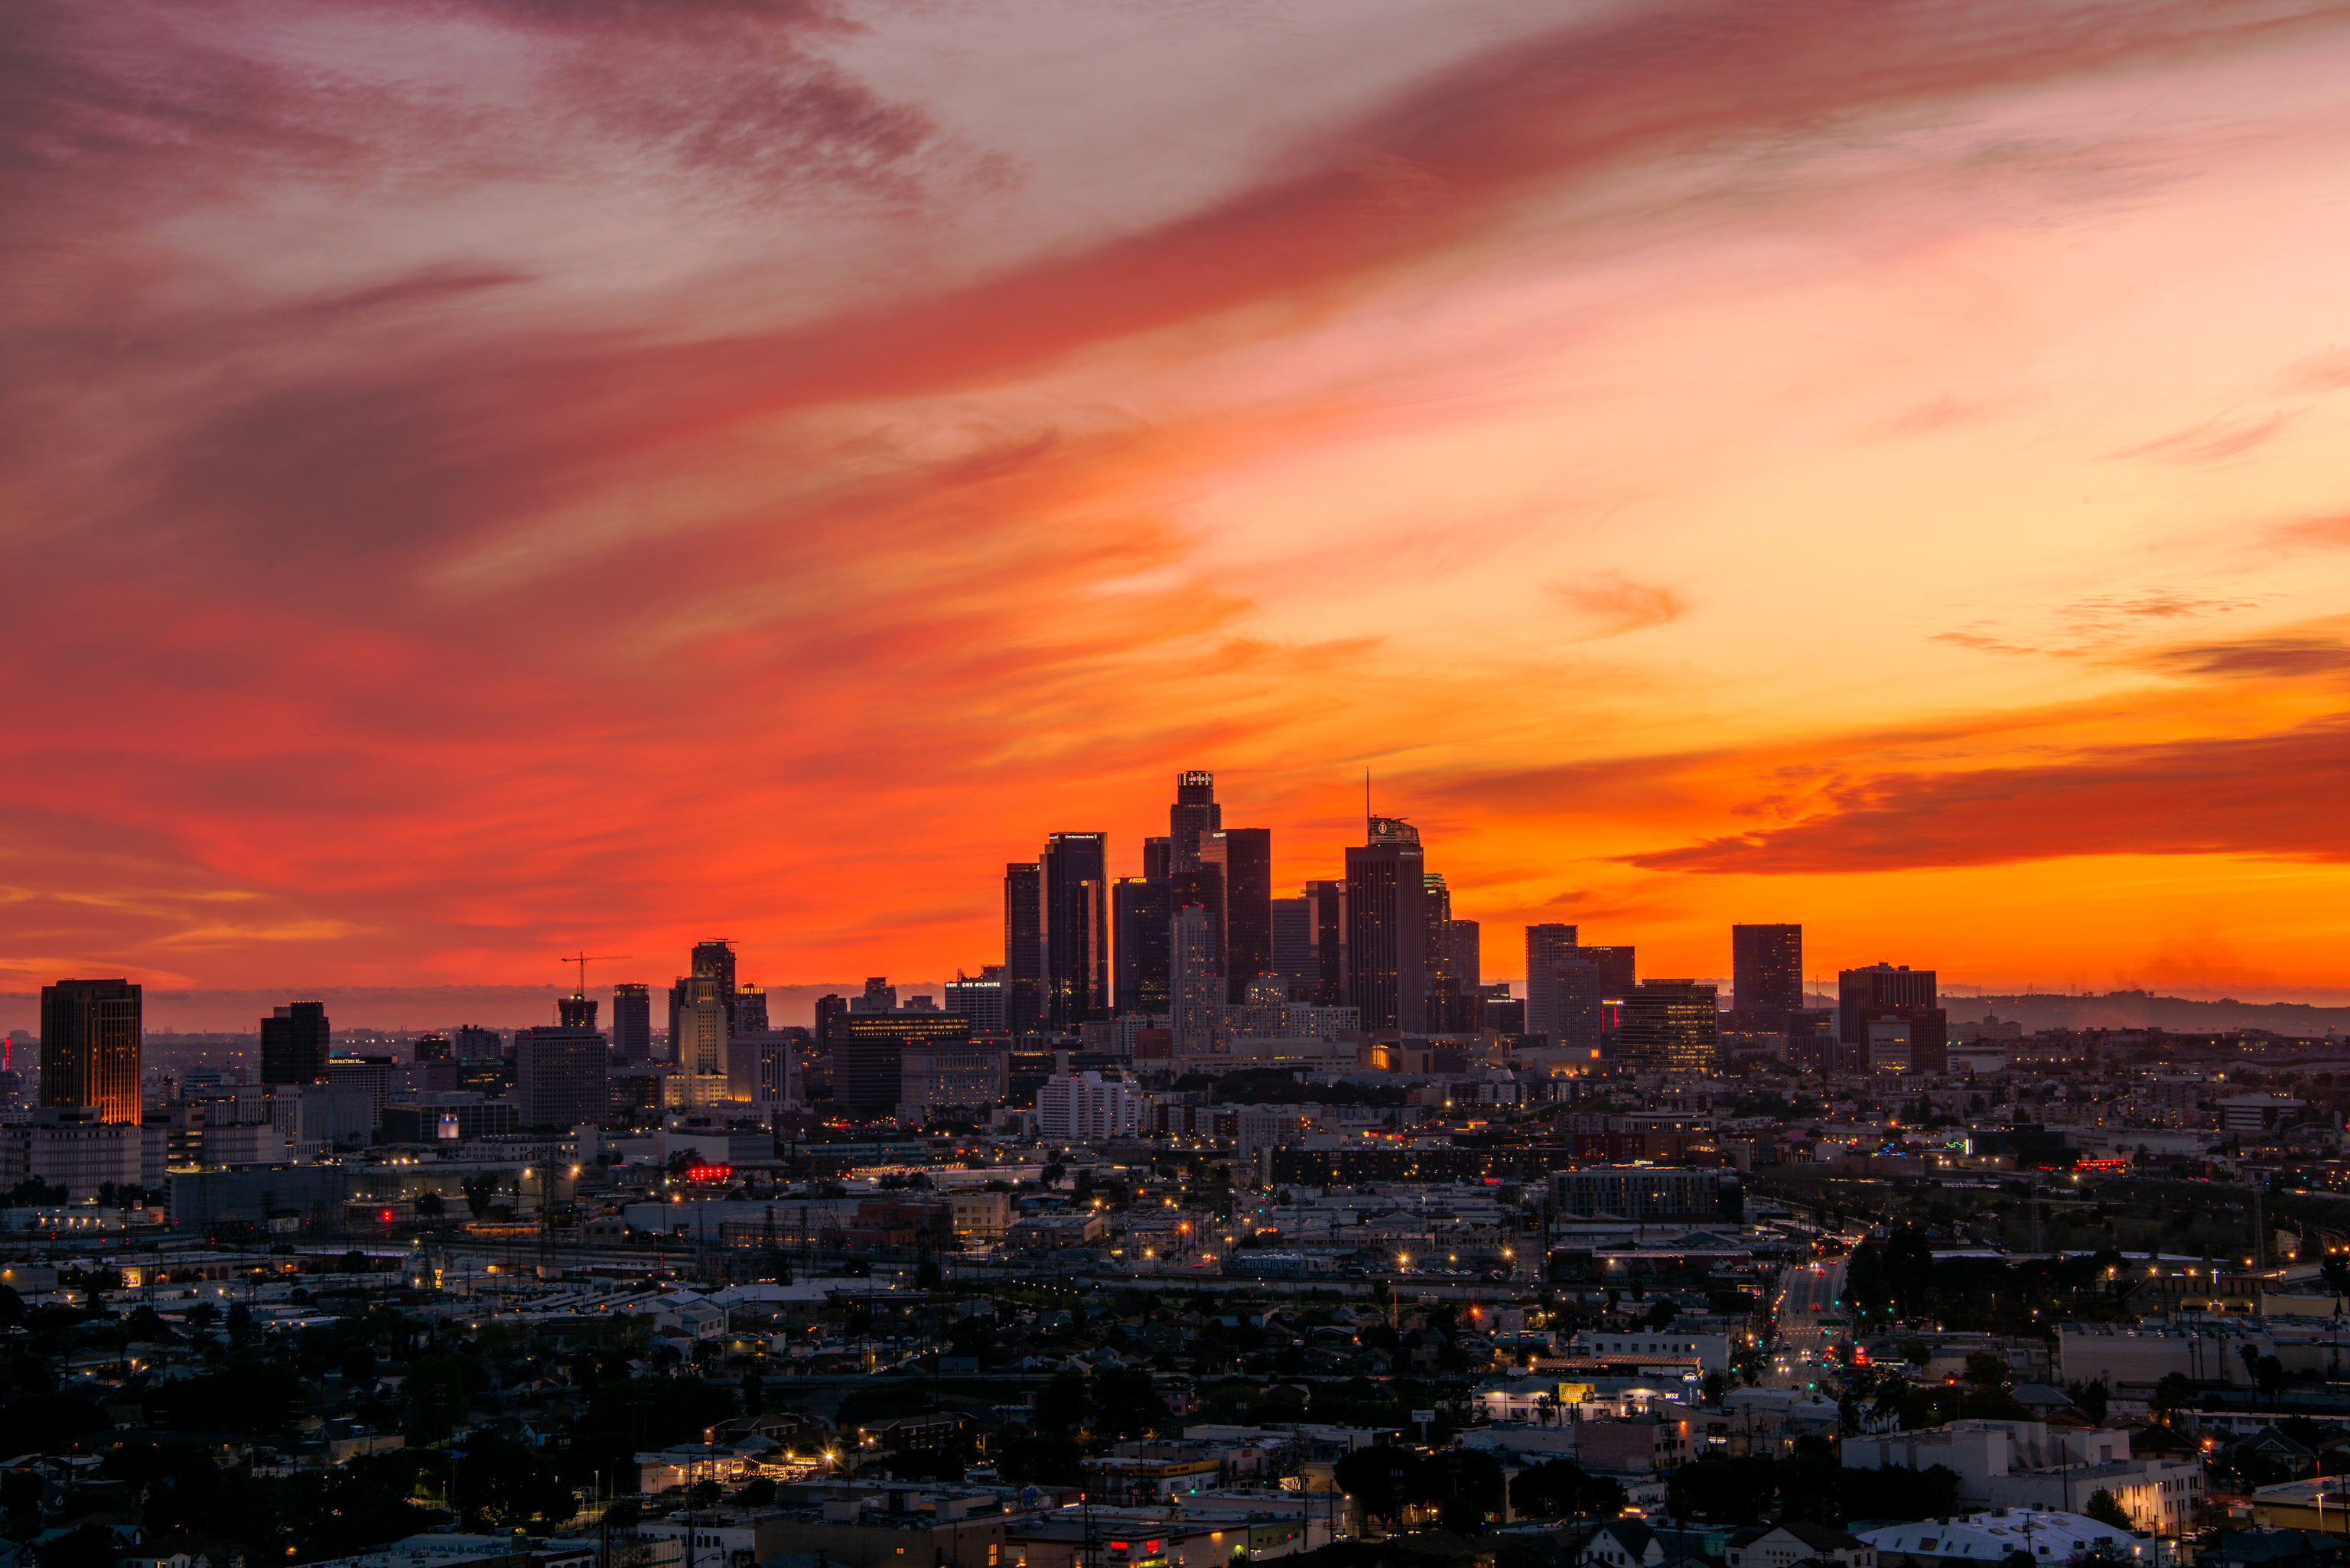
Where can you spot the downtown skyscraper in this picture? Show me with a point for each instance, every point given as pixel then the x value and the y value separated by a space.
pixel 1387 925
pixel 90 1039
pixel 1241 858
pixel 1024 947
pixel 296 1040
pixel 1074 885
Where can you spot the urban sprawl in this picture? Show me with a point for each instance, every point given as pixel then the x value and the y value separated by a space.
pixel 1209 1226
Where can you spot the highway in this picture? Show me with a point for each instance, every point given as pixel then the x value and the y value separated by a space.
pixel 1806 1295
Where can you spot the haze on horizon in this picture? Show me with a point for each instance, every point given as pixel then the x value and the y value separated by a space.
pixel 485 479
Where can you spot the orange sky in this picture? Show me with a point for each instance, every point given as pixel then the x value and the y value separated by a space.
pixel 486 478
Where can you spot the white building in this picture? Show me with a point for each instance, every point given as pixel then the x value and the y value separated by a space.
pixel 1080 1107
pixel 2032 1465
pixel 1992 1537
pixel 1711 1352
pixel 75 1150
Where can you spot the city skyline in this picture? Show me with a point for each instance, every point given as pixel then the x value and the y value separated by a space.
pixel 1712 463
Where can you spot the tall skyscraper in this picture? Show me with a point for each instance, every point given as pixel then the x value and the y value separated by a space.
pixel 1669 1026
pixel 750 1010
pixel 296 1040
pixel 1387 927
pixel 878 996
pixel 560 1073
pixel 1192 818
pixel 1577 993
pixel 1242 857
pixel 1467 956
pixel 1879 989
pixel 703 1026
pixel 1326 903
pixel 712 962
pixel 1766 968
pixel 1546 945
pixel 1141 913
pixel 1158 858
pixel 632 1022
pixel 1293 944
pixel 1024 947
pixel 979 998
pixel 830 1008
pixel 1196 984
pixel 1076 887
pixel 90 1035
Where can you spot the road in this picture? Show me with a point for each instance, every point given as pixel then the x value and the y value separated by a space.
pixel 1806 1295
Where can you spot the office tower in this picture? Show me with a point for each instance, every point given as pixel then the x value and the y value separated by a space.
pixel 1140 911
pixel 90 1032
pixel 1467 956
pixel 1883 990
pixel 869 1053
pixel 980 1000
pixel 1327 907
pixel 830 1008
pixel 1192 818
pixel 1158 858
pixel 296 1042
pixel 632 1023
pixel 559 1073
pixel 476 1044
pixel 878 996
pixel 762 1069
pixel 1293 944
pixel 1024 947
pixel 750 1010
pixel 574 1011
pixel 1075 888
pixel 1577 991
pixel 1669 1026
pixel 1196 985
pixel 1242 859
pixel 434 1048
pixel 704 1026
pixel 1766 968
pixel 1546 945
pixel 1387 925
pixel 1615 969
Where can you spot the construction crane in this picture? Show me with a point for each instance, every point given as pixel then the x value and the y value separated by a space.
pixel 583 958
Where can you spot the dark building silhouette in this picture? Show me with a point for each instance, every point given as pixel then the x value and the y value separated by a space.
pixel 1670 1025
pixel 712 977
pixel 1024 947
pixel 1158 858
pixel 1468 954
pixel 476 1044
pixel 869 1055
pixel 1075 888
pixel 1293 944
pixel 1615 969
pixel 296 1040
pixel 91 1034
pixel 1546 945
pixel 435 1047
pixel 1387 925
pixel 560 1073
pixel 1139 910
pixel 632 1023
pixel 1326 905
pixel 574 1011
pixel 1192 818
pixel 1766 968
pixel 1882 992
pixel 830 1008
pixel 1243 859
pixel 1578 992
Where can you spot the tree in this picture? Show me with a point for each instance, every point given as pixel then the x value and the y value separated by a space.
pixel 1663 1312
pixel 479 1190
pixel 1725 1490
pixel 2092 1397
pixel 1986 1369
pixel 2335 1273
pixel 1562 1487
pixel 1909 1268
pixel 2172 1395
pixel 1125 1403
pixel 1713 1387
pixel 1379 1478
pixel 431 1206
pixel 1060 1408
pixel 435 1393
pixel 1866 1289
pixel 88 1546
pixel 2106 1510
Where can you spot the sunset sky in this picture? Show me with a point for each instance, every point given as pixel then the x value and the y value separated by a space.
pixel 486 477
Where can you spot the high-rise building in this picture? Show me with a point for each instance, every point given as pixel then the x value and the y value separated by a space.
pixel 434 1048
pixel 1326 910
pixel 90 1036
pixel 762 1069
pixel 1192 818
pixel 1615 969
pixel 830 1008
pixel 1080 1108
pixel 750 1010
pixel 704 1025
pixel 559 1072
pixel 1879 989
pixel 1577 994
pixel 1293 945
pixel 1158 858
pixel 1387 925
pixel 878 996
pixel 1243 858
pixel 1139 911
pixel 1196 985
pixel 476 1044
pixel 296 1040
pixel 1468 955
pixel 1766 968
pixel 712 962
pixel 981 999
pixel 1669 1026
pixel 632 1022
pixel 1024 947
pixel 869 1055
pixel 1076 887
pixel 1545 945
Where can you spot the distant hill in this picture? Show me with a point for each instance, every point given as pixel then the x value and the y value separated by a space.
pixel 2144 1009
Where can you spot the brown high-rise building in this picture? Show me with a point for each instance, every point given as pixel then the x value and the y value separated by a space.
pixel 1766 966
pixel 1242 857
pixel 1669 1026
pixel 1073 879
pixel 632 1022
pixel 1024 947
pixel 89 1048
